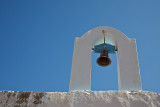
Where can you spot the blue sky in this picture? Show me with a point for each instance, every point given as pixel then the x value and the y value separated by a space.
pixel 37 40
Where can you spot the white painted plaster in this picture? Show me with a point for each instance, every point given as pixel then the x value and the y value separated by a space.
pixel 80 99
pixel 128 68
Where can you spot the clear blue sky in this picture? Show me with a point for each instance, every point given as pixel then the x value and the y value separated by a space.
pixel 37 40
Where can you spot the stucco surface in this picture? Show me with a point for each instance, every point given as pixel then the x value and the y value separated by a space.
pixel 80 99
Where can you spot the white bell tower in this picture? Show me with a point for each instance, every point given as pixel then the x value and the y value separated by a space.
pixel 127 59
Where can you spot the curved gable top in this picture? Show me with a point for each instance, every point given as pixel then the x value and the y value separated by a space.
pixel 112 35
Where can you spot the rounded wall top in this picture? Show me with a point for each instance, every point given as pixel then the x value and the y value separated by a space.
pixel 96 36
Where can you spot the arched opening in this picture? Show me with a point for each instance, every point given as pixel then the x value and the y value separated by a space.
pixel 104 78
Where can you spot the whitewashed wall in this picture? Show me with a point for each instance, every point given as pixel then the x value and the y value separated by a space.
pixel 80 99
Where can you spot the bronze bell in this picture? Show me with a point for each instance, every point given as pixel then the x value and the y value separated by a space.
pixel 104 60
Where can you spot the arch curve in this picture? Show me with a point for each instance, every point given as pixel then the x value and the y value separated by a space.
pixel 111 33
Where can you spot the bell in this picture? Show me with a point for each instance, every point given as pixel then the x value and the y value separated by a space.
pixel 104 60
